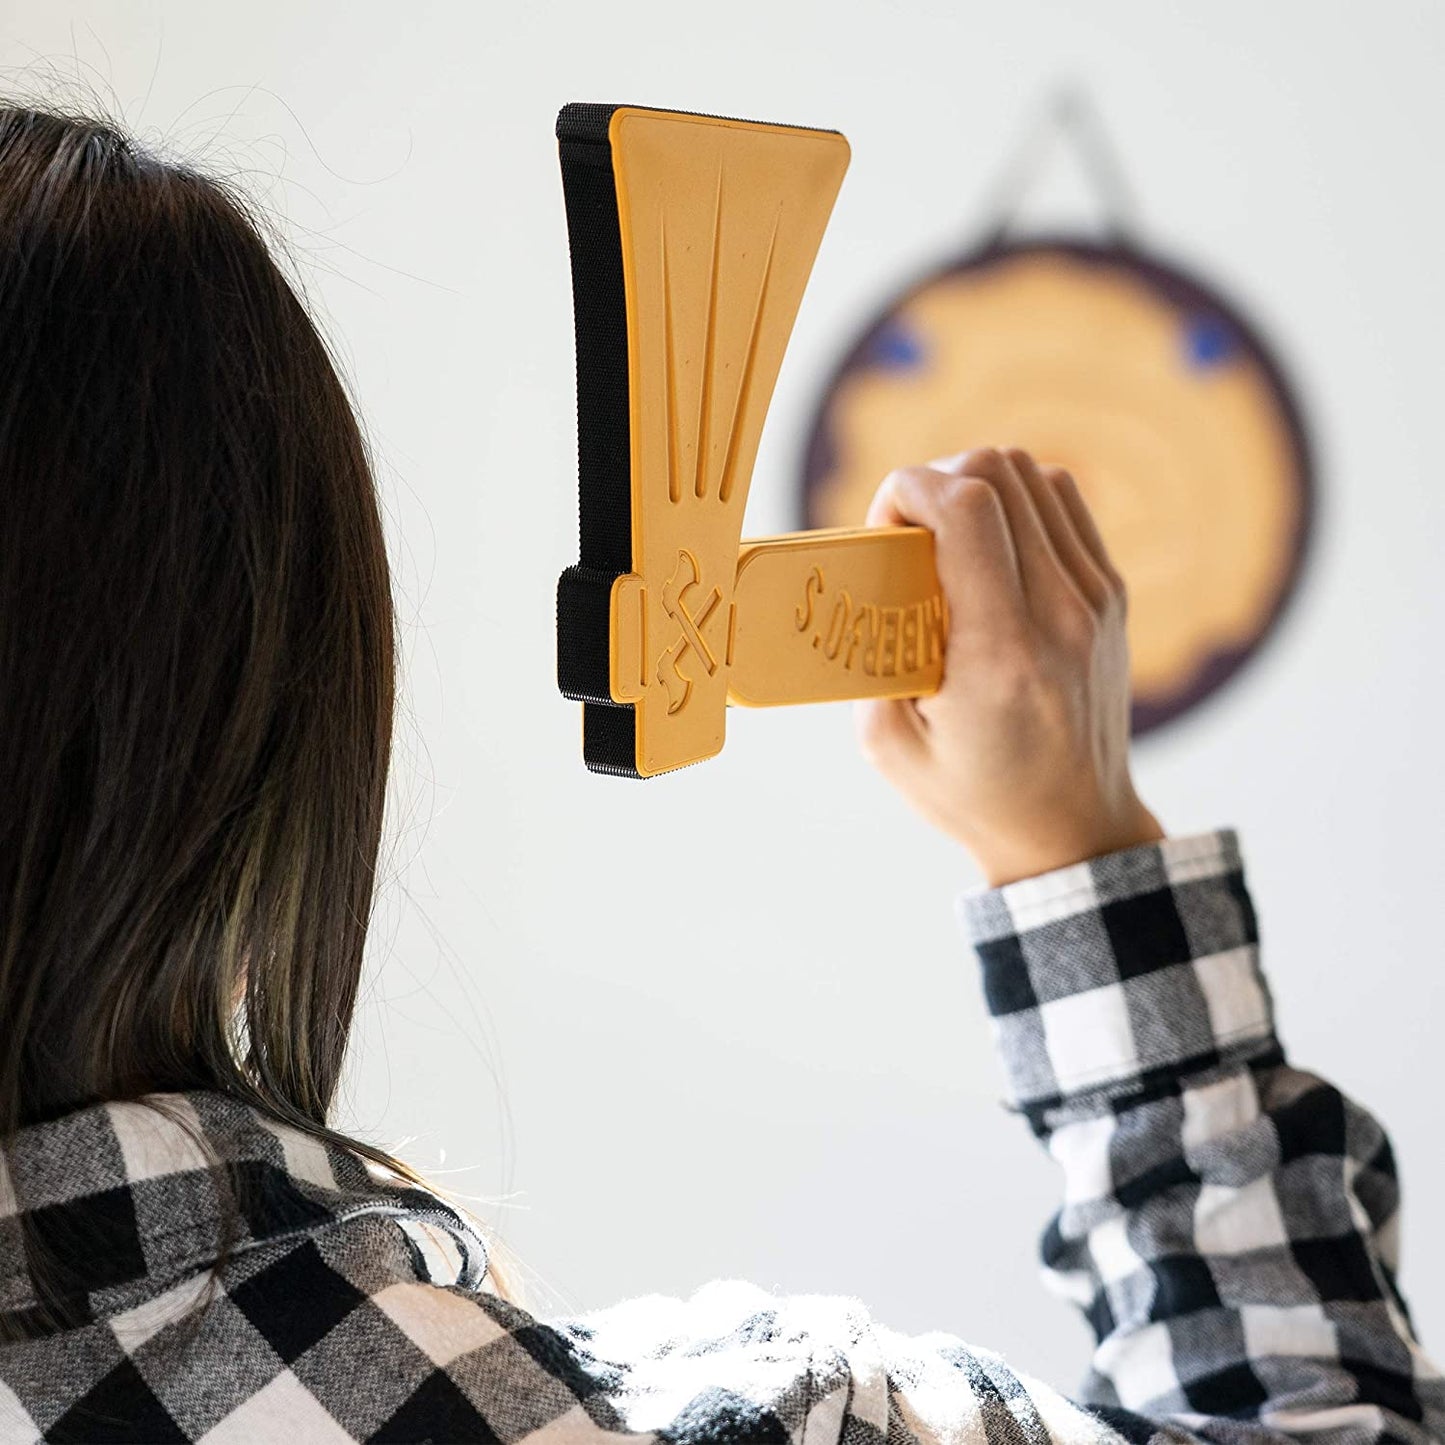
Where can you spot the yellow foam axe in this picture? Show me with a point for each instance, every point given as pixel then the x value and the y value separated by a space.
pixel 692 238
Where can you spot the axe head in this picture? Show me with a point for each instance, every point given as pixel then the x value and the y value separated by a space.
pixel 692 238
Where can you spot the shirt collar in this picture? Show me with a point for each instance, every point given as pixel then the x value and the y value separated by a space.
pixel 132 1194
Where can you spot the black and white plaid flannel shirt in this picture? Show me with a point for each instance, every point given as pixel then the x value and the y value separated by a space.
pixel 1228 1227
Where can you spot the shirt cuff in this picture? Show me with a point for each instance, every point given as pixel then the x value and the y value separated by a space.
pixel 1119 975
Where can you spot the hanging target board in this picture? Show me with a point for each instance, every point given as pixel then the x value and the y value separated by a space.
pixel 1146 383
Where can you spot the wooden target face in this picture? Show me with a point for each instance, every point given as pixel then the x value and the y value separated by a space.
pixel 1146 385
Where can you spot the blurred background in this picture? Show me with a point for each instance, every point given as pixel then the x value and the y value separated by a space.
pixel 723 1023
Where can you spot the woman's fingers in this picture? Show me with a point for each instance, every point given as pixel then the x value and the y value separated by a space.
pixel 978 570
pixel 890 732
pixel 974 550
pixel 1073 553
pixel 1048 549
pixel 885 508
pixel 1072 500
pixel 1054 535
pixel 1045 578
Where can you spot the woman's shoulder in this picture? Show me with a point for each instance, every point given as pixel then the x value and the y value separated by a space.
pixel 336 1335
pixel 386 1355
pixel 351 1307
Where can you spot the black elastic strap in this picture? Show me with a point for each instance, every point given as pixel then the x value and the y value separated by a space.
pixel 604 446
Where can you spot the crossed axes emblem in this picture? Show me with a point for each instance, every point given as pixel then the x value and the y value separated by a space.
pixel 685 576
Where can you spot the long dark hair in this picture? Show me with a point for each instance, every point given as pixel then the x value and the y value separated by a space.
pixel 197 645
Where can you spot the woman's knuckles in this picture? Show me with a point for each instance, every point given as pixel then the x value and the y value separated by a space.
pixel 986 462
pixel 1118 592
pixel 882 730
pixel 1075 625
pixel 964 504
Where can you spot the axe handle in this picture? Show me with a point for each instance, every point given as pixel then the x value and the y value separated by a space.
pixel 830 615
pixel 813 617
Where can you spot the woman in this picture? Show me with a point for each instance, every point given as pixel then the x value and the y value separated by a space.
pixel 196 673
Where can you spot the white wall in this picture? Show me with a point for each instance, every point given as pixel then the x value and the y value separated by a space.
pixel 722 1023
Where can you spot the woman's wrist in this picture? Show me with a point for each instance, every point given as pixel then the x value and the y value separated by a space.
pixel 1008 860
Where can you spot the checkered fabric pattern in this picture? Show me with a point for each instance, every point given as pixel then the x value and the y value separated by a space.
pixel 1228 1225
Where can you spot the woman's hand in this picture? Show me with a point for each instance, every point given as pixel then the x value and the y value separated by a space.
pixel 1023 754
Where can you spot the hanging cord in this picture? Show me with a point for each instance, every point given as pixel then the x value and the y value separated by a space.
pixel 1068 115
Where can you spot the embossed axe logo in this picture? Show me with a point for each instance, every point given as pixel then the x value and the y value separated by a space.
pixel 691 624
